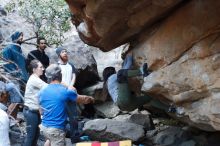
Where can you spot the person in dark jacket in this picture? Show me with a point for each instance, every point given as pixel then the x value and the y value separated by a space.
pixel 40 55
pixel 12 53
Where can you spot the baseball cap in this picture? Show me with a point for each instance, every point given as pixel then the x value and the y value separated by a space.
pixel 59 50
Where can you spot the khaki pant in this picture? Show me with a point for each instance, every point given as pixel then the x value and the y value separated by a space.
pixel 55 135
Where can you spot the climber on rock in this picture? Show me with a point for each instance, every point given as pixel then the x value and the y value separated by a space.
pixel 117 86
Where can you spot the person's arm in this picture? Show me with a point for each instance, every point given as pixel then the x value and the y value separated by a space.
pixel 73 74
pixel 84 99
pixel 37 82
pixel 73 79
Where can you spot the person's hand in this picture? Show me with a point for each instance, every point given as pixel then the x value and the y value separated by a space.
pixel 88 99
pixel 72 88
pixel 84 99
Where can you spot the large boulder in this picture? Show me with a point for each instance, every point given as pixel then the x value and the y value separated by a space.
pixel 112 130
pixel 108 24
pixel 178 39
pixel 186 62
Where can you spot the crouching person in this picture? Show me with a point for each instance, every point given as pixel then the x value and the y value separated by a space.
pixel 14 99
pixel 52 100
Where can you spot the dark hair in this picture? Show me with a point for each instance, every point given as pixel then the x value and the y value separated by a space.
pixel 33 64
pixel 39 39
pixel 107 72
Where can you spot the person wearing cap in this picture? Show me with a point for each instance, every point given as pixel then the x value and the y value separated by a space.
pixel 68 70
pixel 12 53
pixel 52 101
pixel 68 78
pixel 40 55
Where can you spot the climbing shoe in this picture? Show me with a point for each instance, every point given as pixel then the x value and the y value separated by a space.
pixel 179 111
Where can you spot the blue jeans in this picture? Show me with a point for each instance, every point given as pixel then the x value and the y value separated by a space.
pixel 32 121
pixel 71 108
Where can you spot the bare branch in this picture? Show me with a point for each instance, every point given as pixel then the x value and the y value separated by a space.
pixel 30 43
pixel 34 37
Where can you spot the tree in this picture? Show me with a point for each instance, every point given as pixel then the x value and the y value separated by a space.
pixel 49 18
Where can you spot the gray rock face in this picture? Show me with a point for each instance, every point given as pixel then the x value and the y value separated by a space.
pixel 172 136
pixel 140 119
pixel 2 11
pixel 183 55
pixel 112 130
pixel 107 109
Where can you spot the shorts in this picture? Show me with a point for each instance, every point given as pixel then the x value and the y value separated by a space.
pixel 55 135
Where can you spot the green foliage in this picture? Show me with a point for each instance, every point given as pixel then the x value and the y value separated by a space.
pixel 49 18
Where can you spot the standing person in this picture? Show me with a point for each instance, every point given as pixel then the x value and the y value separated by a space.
pixel 40 55
pixel 4 128
pixel 68 70
pixel 31 103
pixel 68 78
pixel 13 54
pixel 4 120
pixel 117 86
pixel 53 100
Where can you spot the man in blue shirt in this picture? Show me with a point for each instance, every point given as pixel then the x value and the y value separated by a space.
pixel 52 100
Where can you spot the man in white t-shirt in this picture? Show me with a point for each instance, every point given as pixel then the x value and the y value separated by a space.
pixel 68 78
pixel 68 70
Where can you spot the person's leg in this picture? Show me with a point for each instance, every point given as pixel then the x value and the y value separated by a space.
pixel 124 74
pixel 128 62
pixel 126 101
pixel 32 129
pixel 37 128
pixel 73 120
pixel 158 104
pixel 54 136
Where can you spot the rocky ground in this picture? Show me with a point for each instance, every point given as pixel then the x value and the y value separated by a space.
pixel 141 127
